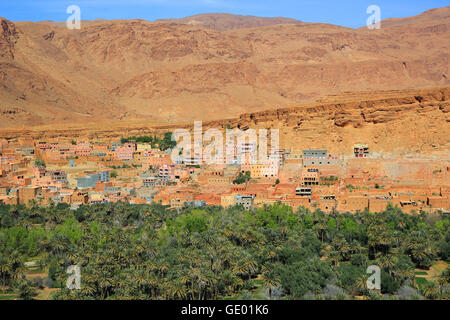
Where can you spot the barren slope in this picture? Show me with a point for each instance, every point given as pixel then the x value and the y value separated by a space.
pixel 227 21
pixel 153 71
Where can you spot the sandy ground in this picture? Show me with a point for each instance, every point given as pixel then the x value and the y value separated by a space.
pixel 435 270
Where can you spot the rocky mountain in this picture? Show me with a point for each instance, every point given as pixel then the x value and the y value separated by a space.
pixel 227 21
pixel 217 68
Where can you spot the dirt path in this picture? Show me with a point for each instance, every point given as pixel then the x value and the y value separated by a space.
pixel 435 270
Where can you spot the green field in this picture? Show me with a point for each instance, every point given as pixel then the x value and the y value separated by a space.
pixel 421 281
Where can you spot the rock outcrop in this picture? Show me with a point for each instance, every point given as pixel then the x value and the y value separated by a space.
pixel 413 121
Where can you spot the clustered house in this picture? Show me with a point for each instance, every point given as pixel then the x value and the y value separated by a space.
pixel 84 172
pixel 361 150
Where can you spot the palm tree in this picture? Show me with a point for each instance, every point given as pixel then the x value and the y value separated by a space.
pixel 17 267
pixel 430 290
pixel 163 268
pixel 386 262
pixel 270 280
pixel 203 280
pixel 176 290
pixel 104 282
pixel 443 280
pixel 361 284
pixel 407 274
pixel 237 283
pixel 239 268
pixel 88 289
pixel 45 245
pixel 321 228
pixel 26 291
pixel 72 257
pixel 141 278
pixel 5 270
pixel 419 254
pixel 250 265
pixel 334 257
pixel 153 284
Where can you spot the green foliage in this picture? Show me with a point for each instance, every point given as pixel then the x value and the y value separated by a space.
pixel 421 281
pixel 271 216
pixel 152 252
pixel 194 222
pixel 331 225
pixel 389 285
pixel 330 178
pixel 348 275
pixel 39 163
pixel 359 259
pixel 242 178
pixel 301 277
pixel 429 289
pixel 70 229
pixel 26 290
pixel 22 240
pixel 163 143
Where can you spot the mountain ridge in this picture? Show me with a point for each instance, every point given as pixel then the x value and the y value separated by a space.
pixel 157 71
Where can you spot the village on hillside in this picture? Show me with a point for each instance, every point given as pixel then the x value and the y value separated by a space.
pixel 140 170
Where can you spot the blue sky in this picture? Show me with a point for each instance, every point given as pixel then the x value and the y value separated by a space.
pixel 350 13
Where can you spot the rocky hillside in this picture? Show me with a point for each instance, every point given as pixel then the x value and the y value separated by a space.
pixel 227 21
pixel 184 71
pixel 396 122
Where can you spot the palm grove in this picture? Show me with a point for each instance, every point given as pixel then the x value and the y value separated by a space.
pixel 151 252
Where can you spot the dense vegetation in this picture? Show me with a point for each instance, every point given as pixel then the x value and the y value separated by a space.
pixel 149 252
pixel 163 143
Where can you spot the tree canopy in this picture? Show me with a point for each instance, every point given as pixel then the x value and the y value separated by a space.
pixel 129 251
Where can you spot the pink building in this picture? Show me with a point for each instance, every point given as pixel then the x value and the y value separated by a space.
pixel 156 160
pixel 180 173
pixel 167 171
pixel 59 152
pixel 124 152
pixel 45 181
pixel 39 172
pixel 42 145
pixel 82 148
pixel 6 159
pixel 55 154
pixel 100 147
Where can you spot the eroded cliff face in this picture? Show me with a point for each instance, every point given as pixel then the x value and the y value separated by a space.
pixel 401 122
pixel 393 122
pixel 357 113
pixel 8 38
